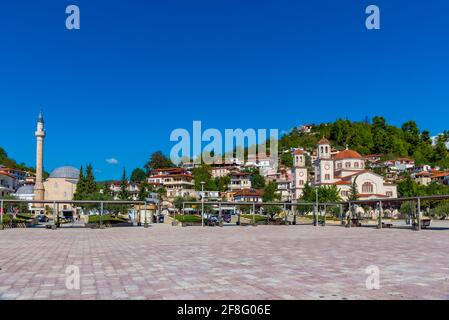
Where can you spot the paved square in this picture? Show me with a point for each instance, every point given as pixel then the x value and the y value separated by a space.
pixel 264 262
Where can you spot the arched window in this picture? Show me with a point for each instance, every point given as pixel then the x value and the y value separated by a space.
pixel 348 165
pixel 327 149
pixel 356 164
pixel 367 187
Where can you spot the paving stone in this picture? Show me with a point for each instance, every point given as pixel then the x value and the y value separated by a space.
pixel 268 262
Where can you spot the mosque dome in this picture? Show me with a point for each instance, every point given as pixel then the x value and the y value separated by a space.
pixel 65 172
pixel 26 189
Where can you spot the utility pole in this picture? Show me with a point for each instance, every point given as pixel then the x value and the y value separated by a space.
pixel 1 214
pixel 316 207
pixel 418 227
pixel 202 203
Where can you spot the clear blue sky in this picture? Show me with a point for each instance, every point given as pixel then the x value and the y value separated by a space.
pixel 139 69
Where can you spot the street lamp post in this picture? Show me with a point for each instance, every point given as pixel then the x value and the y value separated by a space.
pixel 316 207
pixel 146 221
pixel 202 203
pixel 1 214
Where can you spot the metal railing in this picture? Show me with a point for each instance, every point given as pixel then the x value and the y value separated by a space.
pixel 379 204
pixel 56 203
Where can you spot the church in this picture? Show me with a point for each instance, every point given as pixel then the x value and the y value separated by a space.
pixel 342 169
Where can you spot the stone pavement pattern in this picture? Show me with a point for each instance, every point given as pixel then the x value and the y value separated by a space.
pixel 264 262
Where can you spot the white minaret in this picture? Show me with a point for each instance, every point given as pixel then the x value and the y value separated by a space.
pixel 39 190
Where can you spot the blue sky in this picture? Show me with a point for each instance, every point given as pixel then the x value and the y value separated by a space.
pixel 139 69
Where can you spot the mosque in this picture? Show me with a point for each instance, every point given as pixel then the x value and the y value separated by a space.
pixel 61 183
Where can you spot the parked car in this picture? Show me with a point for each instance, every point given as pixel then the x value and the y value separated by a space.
pixel 212 220
pixel 42 218
pixel 227 217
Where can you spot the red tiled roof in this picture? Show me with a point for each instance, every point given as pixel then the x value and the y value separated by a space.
pixel 347 154
pixel 7 174
pixel 323 141
pixel 169 169
pixel 298 152
pixel 440 174
pixel 188 175
pixel 423 173
pixel 341 182
pixel 249 193
pixel 374 155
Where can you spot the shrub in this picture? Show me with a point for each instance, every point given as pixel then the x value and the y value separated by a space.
pixel 190 218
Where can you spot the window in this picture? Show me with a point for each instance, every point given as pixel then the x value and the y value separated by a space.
pixel 344 193
pixel 389 194
pixel 356 164
pixel 301 182
pixel 339 165
pixel 327 149
pixel 327 176
pixel 348 164
pixel 367 187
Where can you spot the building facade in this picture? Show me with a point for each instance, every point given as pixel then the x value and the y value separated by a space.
pixel 347 168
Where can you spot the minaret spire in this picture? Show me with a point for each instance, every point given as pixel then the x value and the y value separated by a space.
pixel 39 190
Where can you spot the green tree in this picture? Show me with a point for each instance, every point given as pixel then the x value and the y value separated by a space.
pixel 353 192
pixel 257 181
pixel 138 175
pixel 269 192
pixel 157 161
pixel 203 174
pixel 222 183
pixel 123 193
pixel 90 184
pixel 178 201
pixel 441 156
pixel 106 189
pixel 144 191
pixel 80 186
pixel 287 159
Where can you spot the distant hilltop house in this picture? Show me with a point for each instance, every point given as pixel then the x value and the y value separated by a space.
pixel 342 169
pixel 306 128
pixel 114 188
pixel 427 177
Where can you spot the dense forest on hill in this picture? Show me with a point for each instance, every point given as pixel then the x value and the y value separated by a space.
pixel 374 136
pixel 8 162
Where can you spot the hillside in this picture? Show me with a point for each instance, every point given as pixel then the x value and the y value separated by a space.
pixel 375 137
pixel 8 162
